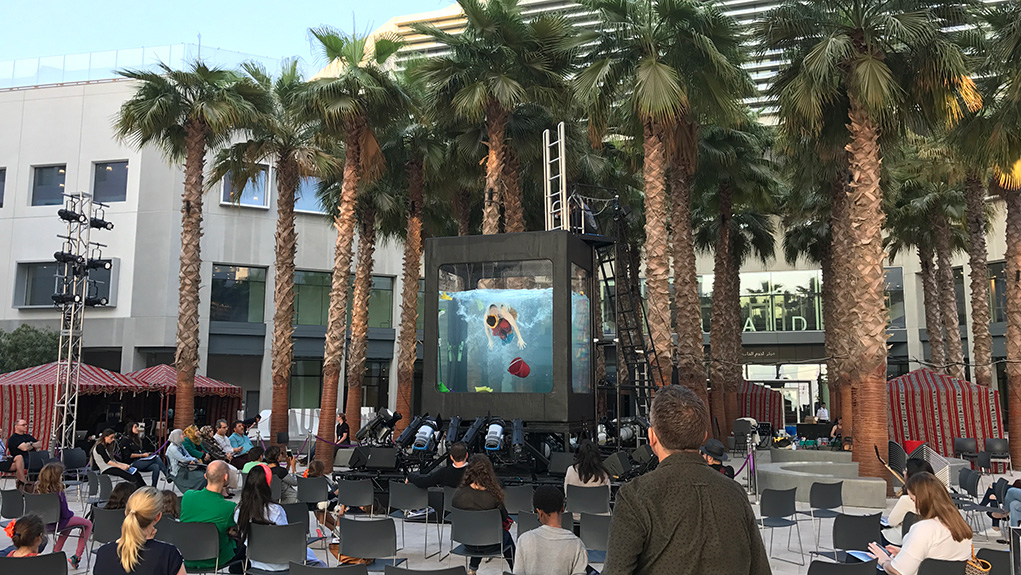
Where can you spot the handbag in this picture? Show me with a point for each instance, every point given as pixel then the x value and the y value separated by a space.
pixel 976 566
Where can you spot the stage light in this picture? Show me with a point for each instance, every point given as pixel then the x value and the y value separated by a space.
pixel 99 264
pixel 68 258
pixel 517 434
pixel 494 437
pixel 377 427
pixel 453 428
pixel 65 298
pixel 473 432
pixel 72 216
pixel 408 435
pixel 100 223
pixel 96 301
pixel 425 439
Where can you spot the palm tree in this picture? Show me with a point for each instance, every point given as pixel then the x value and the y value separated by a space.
pixel 735 186
pixel 659 70
pixel 354 97
pixel 186 113
pixel 497 63
pixel 893 61
pixel 296 146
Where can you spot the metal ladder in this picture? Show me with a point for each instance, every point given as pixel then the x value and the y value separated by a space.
pixel 555 180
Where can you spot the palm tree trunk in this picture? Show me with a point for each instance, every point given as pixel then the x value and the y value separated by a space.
pixel 1013 270
pixel 496 125
pixel 186 356
pixel 360 306
pixel 336 323
pixel 843 296
pixel 982 341
pixel 735 367
pixel 462 212
pixel 868 375
pixel 409 294
pixel 282 352
pixel 948 298
pixel 933 317
pixel 513 213
pixel 721 328
pixel 657 260
pixel 687 311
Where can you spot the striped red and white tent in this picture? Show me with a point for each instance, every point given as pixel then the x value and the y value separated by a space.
pixel 165 377
pixel 30 394
pixel 936 408
pixel 761 403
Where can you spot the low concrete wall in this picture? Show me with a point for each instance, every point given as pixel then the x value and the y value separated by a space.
pixel 857 491
pixel 790 455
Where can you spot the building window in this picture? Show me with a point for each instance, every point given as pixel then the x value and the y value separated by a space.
pixel 111 182
pixel 998 292
pixel 306 384
pixel 253 195
pixel 381 302
pixel 305 199
pixel 376 384
pixel 3 184
pixel 35 284
pixel 311 297
pixel 239 294
pixel 48 185
pixel 895 297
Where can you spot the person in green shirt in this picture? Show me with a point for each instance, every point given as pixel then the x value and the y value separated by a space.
pixel 255 458
pixel 208 506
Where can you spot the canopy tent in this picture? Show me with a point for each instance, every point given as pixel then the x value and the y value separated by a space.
pixel 936 408
pixel 761 403
pixel 165 377
pixel 30 394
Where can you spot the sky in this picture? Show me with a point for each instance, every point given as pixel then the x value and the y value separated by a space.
pixel 275 29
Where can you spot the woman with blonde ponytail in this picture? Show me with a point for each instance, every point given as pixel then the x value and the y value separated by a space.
pixel 137 552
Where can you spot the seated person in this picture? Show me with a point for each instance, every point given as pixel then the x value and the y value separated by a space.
pixel 119 496
pixel 104 461
pixel 257 507
pixel 239 439
pixel 138 552
pixel 27 536
pixel 133 453
pixel 193 444
pixel 447 475
pixel 254 458
pixel 941 532
pixel 212 447
pixel 715 454
pixel 550 549
pixel 171 504
pixel 222 438
pixel 12 463
pixel 905 504
pixel 20 445
pixel 183 467
pixel 480 490
pixel 277 461
pixel 209 506
pixel 588 469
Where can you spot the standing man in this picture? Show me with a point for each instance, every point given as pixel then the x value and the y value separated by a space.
pixel 208 506
pixel 683 518
pixel 822 414
pixel 239 439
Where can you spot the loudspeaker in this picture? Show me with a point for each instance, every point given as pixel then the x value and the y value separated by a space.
pixel 559 462
pixel 283 438
pixel 382 458
pixel 617 464
pixel 359 458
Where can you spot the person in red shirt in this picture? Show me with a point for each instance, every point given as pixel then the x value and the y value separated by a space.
pixel 501 322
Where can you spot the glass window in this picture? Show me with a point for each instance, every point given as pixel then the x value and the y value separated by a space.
pixel 998 291
pixel 254 194
pixel 375 384
pixel 306 384
pixel 581 331
pixel 305 199
pixel 37 283
pixel 3 184
pixel 895 297
pixel 607 294
pixel 496 327
pixel 311 297
pixel 48 185
pixel 705 299
pixel 381 302
pixel 111 183
pixel 238 294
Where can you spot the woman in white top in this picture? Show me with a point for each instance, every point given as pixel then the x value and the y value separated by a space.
pixel 904 504
pixel 257 507
pixel 588 470
pixel 941 532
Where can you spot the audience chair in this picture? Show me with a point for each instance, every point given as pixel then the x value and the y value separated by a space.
pixel 275 544
pixel 998 560
pixel 966 448
pixel 528 521
pixel 909 520
pixel 106 526
pixel 827 568
pixel 588 499
pixel 448 507
pixel 48 564
pixel 356 493
pixel 12 504
pixel 391 570
pixel 854 533
pixel 302 569
pixel 518 498
pixel 975 512
pixel 938 567
pixel 405 497
pixel 778 509
pixel 45 505
pixel 104 487
pixel 984 462
pixel 298 513
pixel 999 451
pixel 276 489
pixel 35 462
pixel 823 500
pixel 76 466
pixel 313 489
pixel 195 541
pixel 374 539
pixel 479 529
pixel 595 534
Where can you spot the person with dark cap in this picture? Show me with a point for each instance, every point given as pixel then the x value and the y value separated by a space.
pixel 715 454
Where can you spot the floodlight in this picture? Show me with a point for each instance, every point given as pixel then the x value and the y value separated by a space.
pixel 425 439
pixel 408 435
pixel 65 298
pixel 68 258
pixel 72 216
pixel 517 434
pixel 453 428
pixel 98 264
pixel 100 223
pixel 96 301
pixel 473 432
pixel 494 437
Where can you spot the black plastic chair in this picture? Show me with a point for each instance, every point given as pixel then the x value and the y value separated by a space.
pixel 938 567
pixel 48 564
pixel 375 539
pixel 854 533
pixel 999 451
pixel 302 569
pixel 106 526
pixel 100 487
pixel 974 512
pixel 276 489
pixel 998 560
pixel 905 526
pixel 356 493
pixel 595 534
pixel 588 499
pixel 313 489
pixel 12 503
pixel 518 498
pixel 823 500
pixel 391 570
pixel 76 466
pixel 526 522
pixel 275 544
pixel 405 497
pixel 827 568
pixel 778 510
pixel 966 448
pixel 195 541
pixel 34 463
pixel 478 529
pixel 984 461
pixel 298 513
pixel 46 506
